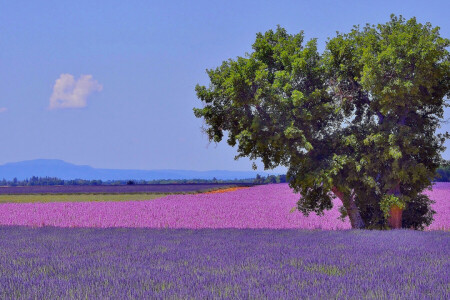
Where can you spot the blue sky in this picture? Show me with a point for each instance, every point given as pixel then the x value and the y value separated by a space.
pixel 133 66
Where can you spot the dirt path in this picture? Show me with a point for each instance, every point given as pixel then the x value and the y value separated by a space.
pixel 227 190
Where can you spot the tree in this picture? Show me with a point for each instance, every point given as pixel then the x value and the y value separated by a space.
pixel 358 121
pixel 443 174
pixel 271 179
pixel 282 179
pixel 393 78
pixel 258 179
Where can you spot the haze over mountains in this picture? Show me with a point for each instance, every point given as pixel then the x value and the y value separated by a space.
pixel 64 170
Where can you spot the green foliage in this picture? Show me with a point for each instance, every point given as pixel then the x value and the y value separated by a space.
pixel 361 118
pixel 57 181
pixel 390 201
pixel 443 174
pixel 269 179
pixel 259 179
pixel 274 105
pixel 418 213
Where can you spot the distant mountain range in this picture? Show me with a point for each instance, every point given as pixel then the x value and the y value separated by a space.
pixel 64 170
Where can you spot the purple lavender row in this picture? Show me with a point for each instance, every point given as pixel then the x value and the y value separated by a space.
pixel 112 189
pixel 126 263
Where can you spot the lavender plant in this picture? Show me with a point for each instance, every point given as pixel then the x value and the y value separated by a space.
pixel 113 189
pixel 118 263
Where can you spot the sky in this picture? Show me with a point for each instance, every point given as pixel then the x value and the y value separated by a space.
pixel 110 84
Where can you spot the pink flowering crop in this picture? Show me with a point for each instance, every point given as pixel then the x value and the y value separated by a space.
pixel 441 195
pixel 266 206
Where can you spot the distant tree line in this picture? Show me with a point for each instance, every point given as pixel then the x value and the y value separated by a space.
pixel 269 179
pixel 34 180
pixel 57 181
pixel 443 175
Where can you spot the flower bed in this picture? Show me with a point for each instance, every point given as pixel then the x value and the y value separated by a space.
pixel 265 206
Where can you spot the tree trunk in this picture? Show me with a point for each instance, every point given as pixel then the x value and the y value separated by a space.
pixel 395 213
pixel 395 217
pixel 350 206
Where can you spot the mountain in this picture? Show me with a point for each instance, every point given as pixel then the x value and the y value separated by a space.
pixel 64 170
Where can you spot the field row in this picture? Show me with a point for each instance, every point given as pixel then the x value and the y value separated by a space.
pixel 266 206
pixel 130 263
pixel 115 189
pixel 46 198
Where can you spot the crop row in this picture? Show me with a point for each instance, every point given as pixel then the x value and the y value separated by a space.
pixel 130 263
pixel 267 206
pixel 114 189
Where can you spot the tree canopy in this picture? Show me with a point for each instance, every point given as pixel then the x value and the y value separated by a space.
pixel 357 121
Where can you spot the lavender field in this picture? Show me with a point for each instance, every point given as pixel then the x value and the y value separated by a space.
pixel 265 206
pixel 130 263
pixel 242 244
pixel 114 189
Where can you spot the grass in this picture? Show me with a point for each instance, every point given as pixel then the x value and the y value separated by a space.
pixel 44 198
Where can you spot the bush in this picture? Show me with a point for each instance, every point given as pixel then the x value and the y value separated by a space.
pixel 418 213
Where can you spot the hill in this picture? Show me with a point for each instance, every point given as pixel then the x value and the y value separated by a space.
pixel 64 170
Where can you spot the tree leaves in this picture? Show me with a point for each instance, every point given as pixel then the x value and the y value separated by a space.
pixel 361 116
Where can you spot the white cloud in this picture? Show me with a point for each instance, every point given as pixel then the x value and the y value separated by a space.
pixel 3 109
pixel 71 93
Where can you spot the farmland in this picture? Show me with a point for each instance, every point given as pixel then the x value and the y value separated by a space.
pixel 225 150
pixel 45 194
pixel 44 198
pixel 243 243
pixel 114 189
pixel 124 263
pixel 265 206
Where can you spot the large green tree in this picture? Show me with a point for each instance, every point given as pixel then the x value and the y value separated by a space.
pixel 357 121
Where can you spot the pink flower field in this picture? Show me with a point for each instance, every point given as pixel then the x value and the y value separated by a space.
pixel 266 206
pixel 440 194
